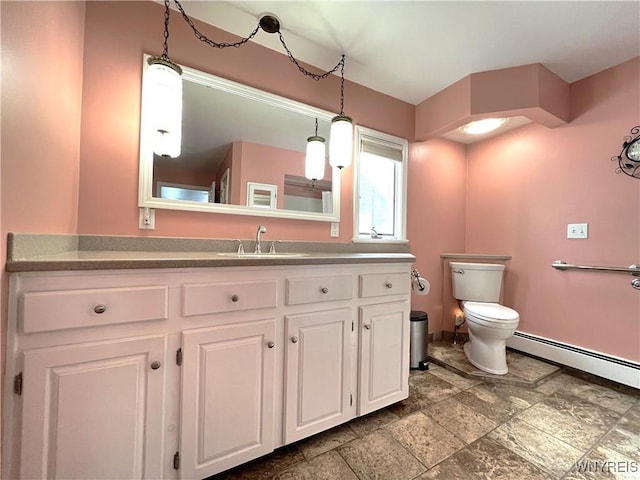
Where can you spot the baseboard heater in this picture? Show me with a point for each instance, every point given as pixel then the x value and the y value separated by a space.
pixel 606 366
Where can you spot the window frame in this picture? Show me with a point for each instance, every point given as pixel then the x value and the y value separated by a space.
pixel 400 207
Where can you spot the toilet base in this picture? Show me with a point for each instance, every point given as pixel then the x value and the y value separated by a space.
pixel 475 353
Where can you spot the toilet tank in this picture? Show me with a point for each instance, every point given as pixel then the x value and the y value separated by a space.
pixel 478 282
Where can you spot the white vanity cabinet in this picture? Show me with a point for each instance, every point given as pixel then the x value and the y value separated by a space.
pixel 228 373
pixel 384 340
pixel 87 402
pixel 317 372
pixel 384 348
pixel 182 373
pixel 93 410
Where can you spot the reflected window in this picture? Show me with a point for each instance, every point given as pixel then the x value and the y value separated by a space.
pixel 380 186
pixel 193 193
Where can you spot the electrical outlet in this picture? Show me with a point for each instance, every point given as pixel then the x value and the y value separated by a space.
pixel 335 229
pixel 147 219
pixel 578 230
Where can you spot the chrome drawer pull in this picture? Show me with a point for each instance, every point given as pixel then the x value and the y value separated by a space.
pixel 388 285
pixel 100 309
pixel 155 365
pixel 235 298
pixel 271 344
pixel 324 290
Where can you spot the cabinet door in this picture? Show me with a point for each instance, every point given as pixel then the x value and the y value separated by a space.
pixel 93 410
pixel 317 378
pixel 227 396
pixel 384 355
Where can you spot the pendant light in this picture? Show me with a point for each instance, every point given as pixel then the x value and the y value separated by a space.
pixel 341 141
pixel 315 158
pixel 165 87
pixel 167 101
pixel 165 90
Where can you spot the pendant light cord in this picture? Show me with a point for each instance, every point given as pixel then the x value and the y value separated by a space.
pixel 200 36
pixel 203 38
pixel 165 45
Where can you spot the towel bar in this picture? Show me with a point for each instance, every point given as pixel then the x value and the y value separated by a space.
pixel 632 269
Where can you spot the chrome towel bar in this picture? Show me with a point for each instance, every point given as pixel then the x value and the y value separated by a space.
pixel 631 269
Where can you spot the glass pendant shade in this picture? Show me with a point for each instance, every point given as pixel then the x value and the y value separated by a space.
pixel 165 84
pixel 341 142
pixel 315 159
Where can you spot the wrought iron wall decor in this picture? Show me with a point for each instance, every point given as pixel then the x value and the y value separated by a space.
pixel 629 157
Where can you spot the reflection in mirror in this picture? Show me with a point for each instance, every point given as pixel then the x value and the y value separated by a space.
pixel 243 152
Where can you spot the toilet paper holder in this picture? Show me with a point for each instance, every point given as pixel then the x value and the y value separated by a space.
pixel 416 275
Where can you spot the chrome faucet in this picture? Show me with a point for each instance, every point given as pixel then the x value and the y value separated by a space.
pixel 261 229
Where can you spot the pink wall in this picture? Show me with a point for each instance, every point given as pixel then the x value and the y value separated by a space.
pixel 435 218
pixel 41 105
pixel 525 186
pixel 111 113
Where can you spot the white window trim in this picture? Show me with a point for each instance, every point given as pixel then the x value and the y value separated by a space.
pixel 401 210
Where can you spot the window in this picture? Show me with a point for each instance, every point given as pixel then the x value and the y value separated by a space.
pixel 380 186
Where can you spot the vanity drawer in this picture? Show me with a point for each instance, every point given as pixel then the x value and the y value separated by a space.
pixel 61 309
pixel 319 289
pixel 378 284
pixel 204 298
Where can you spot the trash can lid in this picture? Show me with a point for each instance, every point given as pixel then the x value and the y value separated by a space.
pixel 417 315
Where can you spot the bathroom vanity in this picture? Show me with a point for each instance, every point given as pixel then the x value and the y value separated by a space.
pixel 182 365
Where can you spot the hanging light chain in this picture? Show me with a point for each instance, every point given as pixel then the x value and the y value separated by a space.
pixel 165 45
pixel 270 26
pixel 208 41
pixel 306 72
pixel 342 86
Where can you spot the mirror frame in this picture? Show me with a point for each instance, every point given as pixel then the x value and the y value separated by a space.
pixel 145 187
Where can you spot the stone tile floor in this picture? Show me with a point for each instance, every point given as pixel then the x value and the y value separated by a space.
pixel 542 423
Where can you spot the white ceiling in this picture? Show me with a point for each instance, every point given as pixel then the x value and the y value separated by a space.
pixel 413 49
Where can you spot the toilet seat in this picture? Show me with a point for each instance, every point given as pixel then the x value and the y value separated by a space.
pixel 490 314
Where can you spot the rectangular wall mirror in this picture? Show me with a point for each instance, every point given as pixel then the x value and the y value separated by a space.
pixel 235 136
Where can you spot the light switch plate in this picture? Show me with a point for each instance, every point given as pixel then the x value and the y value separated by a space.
pixel 578 230
pixel 335 229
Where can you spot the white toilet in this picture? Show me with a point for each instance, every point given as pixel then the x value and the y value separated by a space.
pixel 477 287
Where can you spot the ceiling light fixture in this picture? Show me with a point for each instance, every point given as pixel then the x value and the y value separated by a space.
pixel 315 158
pixel 341 140
pixel 629 158
pixel 478 127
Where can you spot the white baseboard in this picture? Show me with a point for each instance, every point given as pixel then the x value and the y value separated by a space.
pixel 607 366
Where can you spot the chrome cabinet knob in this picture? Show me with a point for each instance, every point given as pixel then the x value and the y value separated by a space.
pixel 388 285
pixel 294 339
pixel 235 298
pixel 271 344
pixel 155 365
pixel 635 283
pixel 367 326
pixel 324 290
pixel 100 309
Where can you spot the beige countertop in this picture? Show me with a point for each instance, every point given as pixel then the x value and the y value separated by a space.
pixel 43 252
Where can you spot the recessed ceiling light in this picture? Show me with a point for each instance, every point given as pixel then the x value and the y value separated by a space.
pixel 483 126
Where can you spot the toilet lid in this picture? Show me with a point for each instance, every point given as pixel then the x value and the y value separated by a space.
pixel 491 312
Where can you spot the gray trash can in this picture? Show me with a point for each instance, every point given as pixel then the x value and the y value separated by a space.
pixel 419 341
